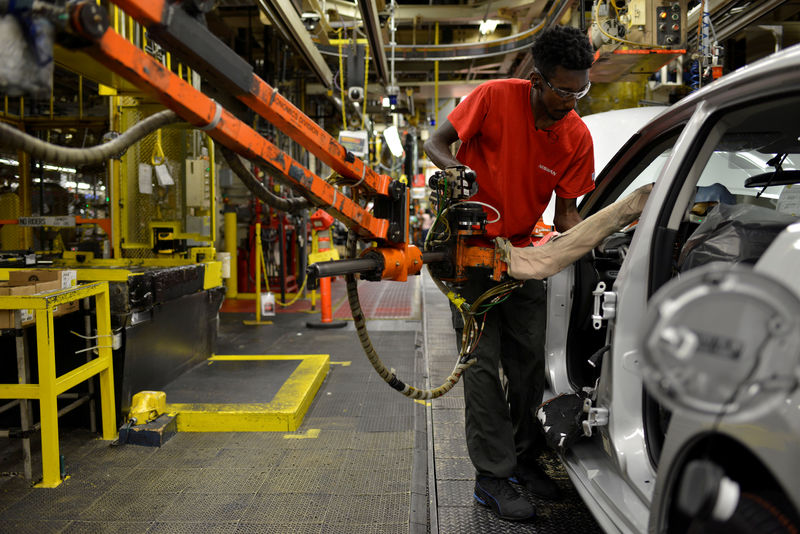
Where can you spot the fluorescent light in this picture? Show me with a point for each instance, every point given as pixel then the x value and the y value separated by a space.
pixel 393 140
pixel 488 26
pixel 46 166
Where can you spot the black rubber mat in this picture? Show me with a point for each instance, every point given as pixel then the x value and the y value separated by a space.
pixel 231 381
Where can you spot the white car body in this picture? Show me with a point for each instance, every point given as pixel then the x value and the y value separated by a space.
pixel 629 470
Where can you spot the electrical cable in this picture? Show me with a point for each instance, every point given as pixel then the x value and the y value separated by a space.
pixel 297 296
pixel 259 190
pixel 471 333
pixel 485 205
pixel 694 75
pixel 388 375
pixel 266 283
pixel 38 149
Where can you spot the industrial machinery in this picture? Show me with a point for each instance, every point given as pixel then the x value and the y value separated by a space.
pixel 636 38
pixel 178 28
pixel 374 207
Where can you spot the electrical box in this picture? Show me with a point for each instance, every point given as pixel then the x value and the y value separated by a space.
pixel 199 226
pixel 637 12
pixel 355 142
pixel 637 39
pixel 197 187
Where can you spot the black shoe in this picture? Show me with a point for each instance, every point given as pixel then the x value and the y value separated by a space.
pixel 504 501
pixel 536 481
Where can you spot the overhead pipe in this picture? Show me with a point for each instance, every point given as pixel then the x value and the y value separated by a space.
pixel 372 27
pixel 728 20
pixel 284 16
pixel 468 51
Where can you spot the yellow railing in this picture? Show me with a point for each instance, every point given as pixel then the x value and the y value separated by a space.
pixel 50 385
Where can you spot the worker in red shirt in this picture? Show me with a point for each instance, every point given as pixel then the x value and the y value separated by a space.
pixel 524 141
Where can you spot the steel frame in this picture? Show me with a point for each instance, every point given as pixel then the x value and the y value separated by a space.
pixel 50 384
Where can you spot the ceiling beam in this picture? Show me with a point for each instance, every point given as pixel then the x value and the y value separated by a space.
pixel 459 14
pixel 728 17
pixel 284 16
pixel 372 27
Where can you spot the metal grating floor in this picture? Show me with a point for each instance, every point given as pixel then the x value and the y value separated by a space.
pixel 361 461
pixel 452 477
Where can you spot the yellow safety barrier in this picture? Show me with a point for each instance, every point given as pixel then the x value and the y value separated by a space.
pixel 50 385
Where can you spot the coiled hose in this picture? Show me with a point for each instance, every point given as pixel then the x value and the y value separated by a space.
pixel 13 138
pixel 470 336
pixel 694 75
pixel 259 190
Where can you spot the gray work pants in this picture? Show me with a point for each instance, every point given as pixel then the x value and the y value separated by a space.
pixel 500 430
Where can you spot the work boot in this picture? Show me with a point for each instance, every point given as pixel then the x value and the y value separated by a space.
pixel 536 480
pixel 502 499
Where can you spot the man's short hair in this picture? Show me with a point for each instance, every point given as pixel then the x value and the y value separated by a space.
pixel 562 45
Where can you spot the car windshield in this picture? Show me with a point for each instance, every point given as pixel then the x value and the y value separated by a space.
pixel 730 168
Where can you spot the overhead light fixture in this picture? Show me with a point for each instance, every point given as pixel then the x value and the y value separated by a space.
pixel 15 163
pixel 488 26
pixel 392 137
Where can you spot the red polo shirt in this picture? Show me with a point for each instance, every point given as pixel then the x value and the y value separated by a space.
pixel 518 167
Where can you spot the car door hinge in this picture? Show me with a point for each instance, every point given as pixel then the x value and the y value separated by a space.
pixel 595 416
pixel 605 305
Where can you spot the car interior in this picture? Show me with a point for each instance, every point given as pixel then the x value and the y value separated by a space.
pixel 740 191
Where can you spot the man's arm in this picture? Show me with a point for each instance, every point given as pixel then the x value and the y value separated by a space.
pixel 437 147
pixel 566 214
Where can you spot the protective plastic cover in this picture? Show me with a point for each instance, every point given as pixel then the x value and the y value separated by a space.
pixel 26 64
pixel 733 234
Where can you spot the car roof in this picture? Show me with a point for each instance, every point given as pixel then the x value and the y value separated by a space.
pixel 611 130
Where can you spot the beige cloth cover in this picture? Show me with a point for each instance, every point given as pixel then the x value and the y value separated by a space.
pixel 561 251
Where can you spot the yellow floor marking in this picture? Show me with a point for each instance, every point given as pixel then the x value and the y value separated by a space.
pixel 343 364
pixel 311 433
pixel 284 413
pixel 252 322
pixel 419 401
pixel 251 357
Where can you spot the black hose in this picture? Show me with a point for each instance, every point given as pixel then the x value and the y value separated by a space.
pixel 259 190
pixel 13 138
pixel 388 375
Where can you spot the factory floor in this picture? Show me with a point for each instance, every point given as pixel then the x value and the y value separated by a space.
pixel 365 459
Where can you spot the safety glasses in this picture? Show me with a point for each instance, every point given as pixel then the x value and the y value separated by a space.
pixel 563 93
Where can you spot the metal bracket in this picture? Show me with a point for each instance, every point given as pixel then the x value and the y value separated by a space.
pixel 604 306
pixel 596 416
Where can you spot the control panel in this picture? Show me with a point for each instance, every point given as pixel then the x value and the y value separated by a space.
pixel 669 24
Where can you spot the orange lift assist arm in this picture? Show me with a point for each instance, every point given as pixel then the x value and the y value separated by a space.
pixel 395 259
pixel 122 57
pixel 170 25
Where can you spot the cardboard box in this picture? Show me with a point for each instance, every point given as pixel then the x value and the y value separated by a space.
pixel 34 282
pixel 7 316
pixel 66 278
